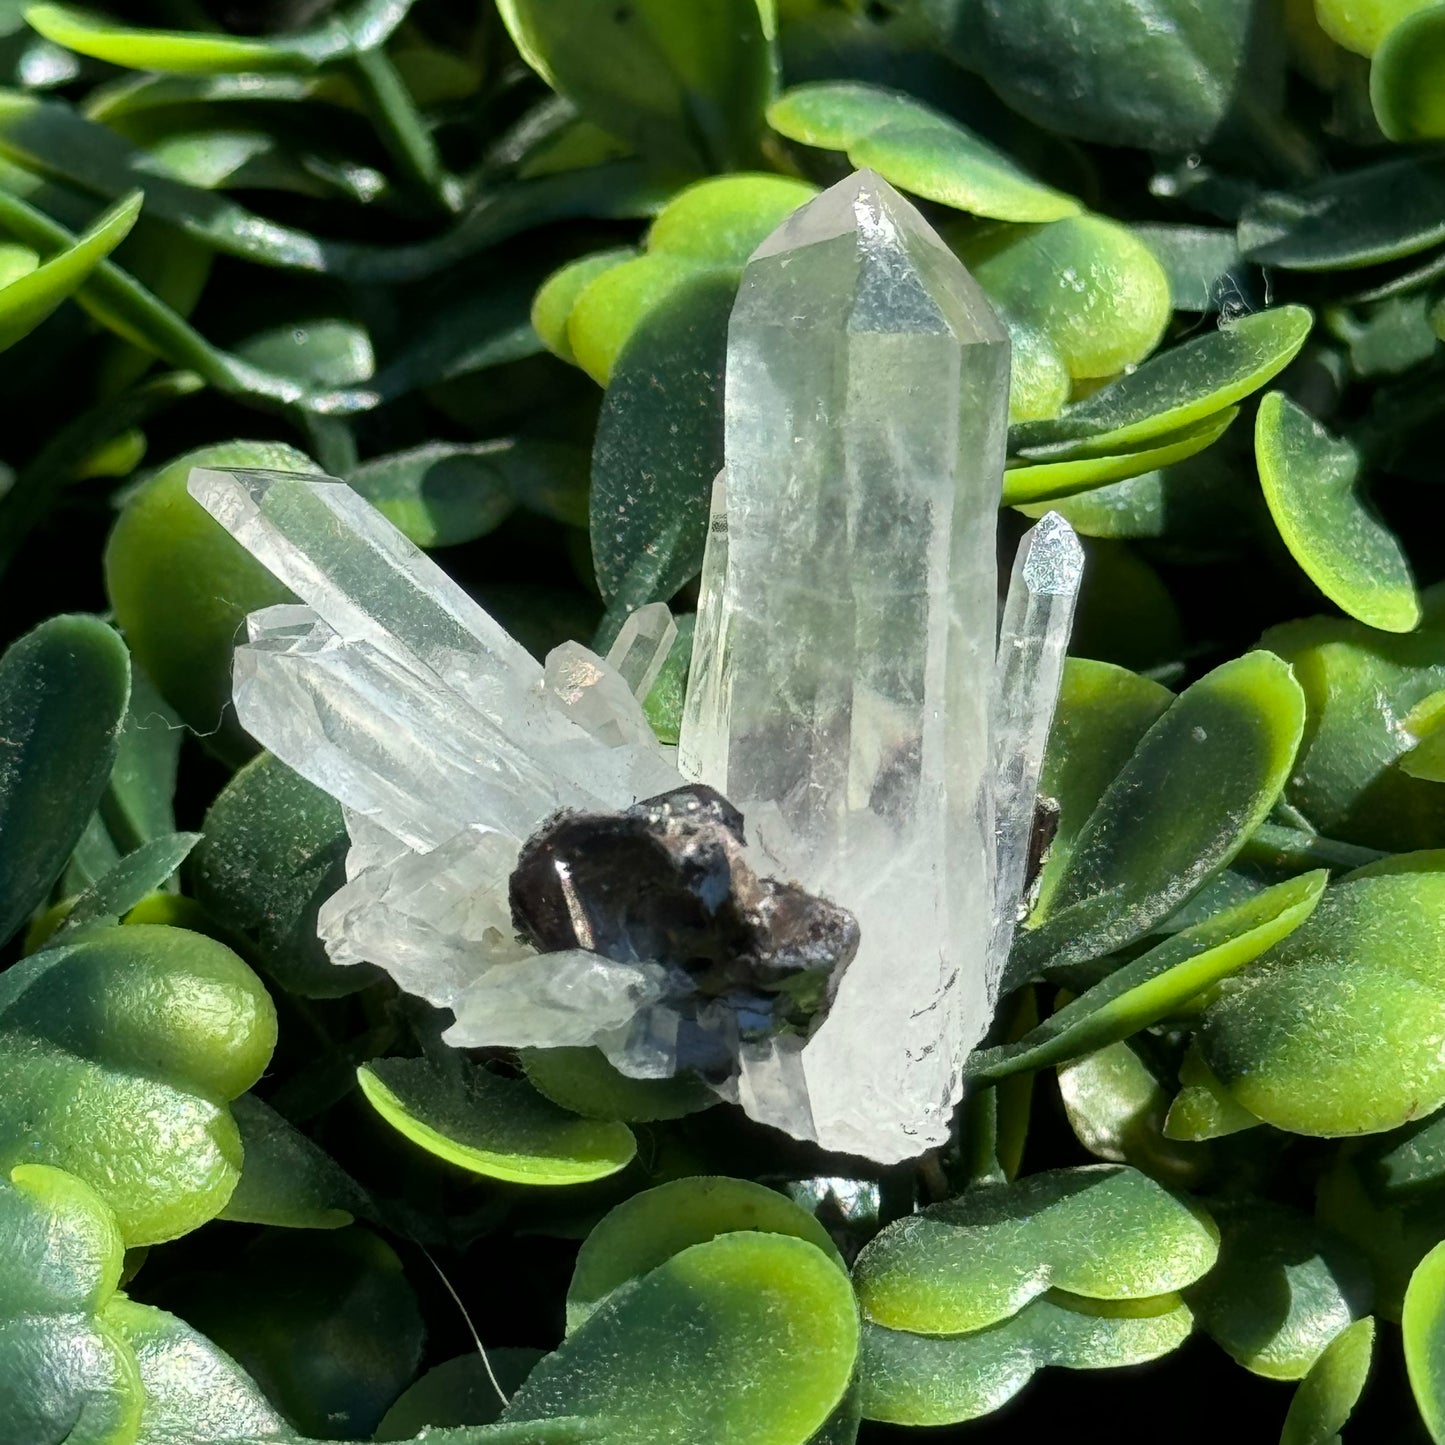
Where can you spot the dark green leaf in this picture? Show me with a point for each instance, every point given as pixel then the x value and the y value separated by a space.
pixel 133 878
pixel 1329 1392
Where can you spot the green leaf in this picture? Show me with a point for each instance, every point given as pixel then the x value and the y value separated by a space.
pixel 26 300
pixel 650 1228
pixel 1363 217
pixel 501 1128
pixel 1177 388
pixel 1426 723
pixel 64 1373
pixel 975 1260
pixel 326 1324
pixel 706 1347
pixel 1035 482
pixel 1407 79
pixel 1423 1326
pixel 1086 283
pixel 1284 1288
pixel 1311 481
pixel 1361 25
pixel 194 1393
pixel 1299 1039
pixel 553 304
pixel 118 1053
pixel 913 1379
pixel 458 1392
pixel 916 148
pixel 133 878
pixel 285 1178
pixel 582 1081
pixel 659 446
pixel 1203 1108
pixel 1203 777
pixel 63 694
pixel 1329 1392
pixel 273 849
pixel 1203 264
pixel 684 84
pixel 1115 72
pixel 1159 982
pixel 181 588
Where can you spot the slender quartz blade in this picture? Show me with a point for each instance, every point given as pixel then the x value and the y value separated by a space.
pixel 642 647
pixel 845 643
pixel 1038 617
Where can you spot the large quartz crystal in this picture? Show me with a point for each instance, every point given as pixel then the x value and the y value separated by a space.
pixel 846 698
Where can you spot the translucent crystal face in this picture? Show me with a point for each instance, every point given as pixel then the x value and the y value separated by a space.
pixel 842 695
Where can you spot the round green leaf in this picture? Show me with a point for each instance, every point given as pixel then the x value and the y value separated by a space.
pixel 1299 1039
pixel 975 1260
pixel 1203 777
pixel 1423 1325
pixel 27 299
pixel 648 1229
pixel 707 1347
pixel 64 1373
pixel 1203 1108
pixel 913 1379
pixel 1328 1393
pixel 582 1081
pixel 272 850
pixel 1035 482
pixel 181 587
pixel 63 694
pixel 1284 1287
pixel 1361 25
pixel 1407 79
pixel 553 303
pixel 1426 723
pixel 458 1392
pixel 117 1055
pixel 498 1127
pixel 916 148
pixel 722 221
pixel 1311 481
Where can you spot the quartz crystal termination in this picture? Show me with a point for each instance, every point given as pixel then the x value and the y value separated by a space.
pixel 845 646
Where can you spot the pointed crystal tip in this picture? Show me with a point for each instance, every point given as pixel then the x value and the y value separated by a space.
pixel 1054 565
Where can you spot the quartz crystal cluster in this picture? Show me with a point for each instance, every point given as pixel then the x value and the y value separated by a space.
pixel 841 840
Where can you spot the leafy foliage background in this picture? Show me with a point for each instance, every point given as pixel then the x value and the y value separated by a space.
pixel 477 260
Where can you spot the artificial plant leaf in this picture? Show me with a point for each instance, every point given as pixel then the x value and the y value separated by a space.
pixel 913 1379
pixel 1034 482
pixel 1178 387
pixel 643 1232
pixel 552 306
pixel 1423 1327
pixel 684 84
pixel 1361 217
pixel 137 805
pixel 501 1128
pixel 1359 684
pixel 1425 722
pixel 1284 1287
pixel 1407 79
pixel 916 148
pixel 1115 73
pixel 133 878
pixel 64 1373
pixel 1361 25
pixel 118 1054
pixel 193 1392
pixel 1299 1039
pixel 1311 481
pixel 1206 273
pixel 286 1179
pixel 181 588
pixel 1330 1390
pixel 1203 1108
pixel 27 299
pixel 706 1347
pixel 1085 282
pixel 659 446
pixel 327 1324
pixel 273 849
pixel 1200 781
pixel 469 1390
pixel 975 1260
pixel 582 1081
pixel 1157 983
pixel 63 694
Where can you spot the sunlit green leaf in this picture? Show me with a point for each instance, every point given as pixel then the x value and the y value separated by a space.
pixel 1328 1393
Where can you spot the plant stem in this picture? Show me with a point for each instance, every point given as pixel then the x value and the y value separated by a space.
pixel 1281 847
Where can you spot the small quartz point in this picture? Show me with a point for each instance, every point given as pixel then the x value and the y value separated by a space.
pixel 845 645
pixel 642 647
pixel 1038 617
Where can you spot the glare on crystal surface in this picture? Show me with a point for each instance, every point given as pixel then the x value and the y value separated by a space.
pixel 846 693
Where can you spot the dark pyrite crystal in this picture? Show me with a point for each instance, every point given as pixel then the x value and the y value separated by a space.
pixel 667 881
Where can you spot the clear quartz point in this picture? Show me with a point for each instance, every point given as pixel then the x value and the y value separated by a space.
pixel 642 647
pixel 846 640
pixel 1038 617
